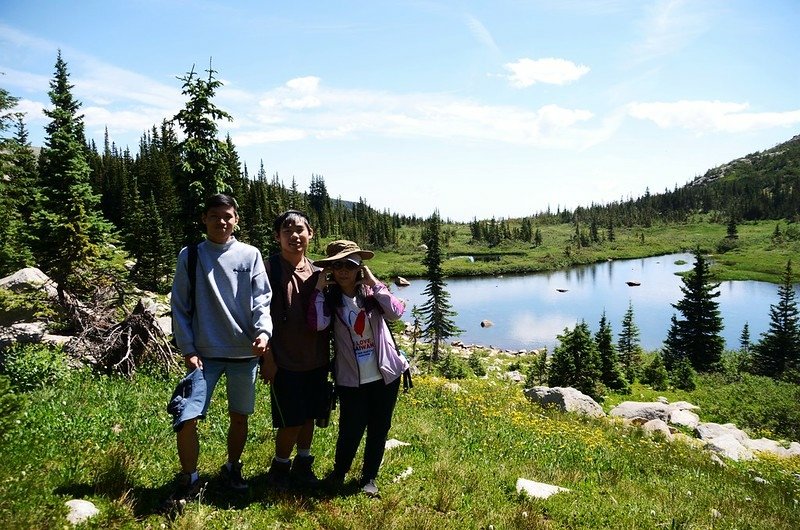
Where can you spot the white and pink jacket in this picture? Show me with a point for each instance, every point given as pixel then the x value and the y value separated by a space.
pixel 390 363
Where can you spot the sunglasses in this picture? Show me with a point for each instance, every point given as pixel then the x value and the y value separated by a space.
pixel 349 265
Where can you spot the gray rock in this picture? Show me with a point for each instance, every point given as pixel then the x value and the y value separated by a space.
pixel 28 279
pixel 401 282
pixel 661 426
pixel 486 323
pixel 710 430
pixel 684 405
pixel 767 446
pixel 684 418
pixel 729 446
pixel 638 409
pixel 566 399
pixel 80 511
pixel 794 449
pixel 24 332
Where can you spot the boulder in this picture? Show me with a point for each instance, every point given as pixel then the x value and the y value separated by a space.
pixel 28 279
pixel 710 430
pixel 486 323
pixel 729 446
pixel 24 332
pixel 638 409
pixel 80 511
pixel 566 399
pixel 401 282
pixel 515 375
pixel 684 418
pixel 767 446
pixel 661 426
pixel 684 405
pixel 394 443
pixel 794 449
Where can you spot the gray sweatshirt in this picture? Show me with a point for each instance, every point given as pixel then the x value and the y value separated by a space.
pixel 232 296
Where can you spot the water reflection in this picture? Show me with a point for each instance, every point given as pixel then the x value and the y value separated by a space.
pixel 528 311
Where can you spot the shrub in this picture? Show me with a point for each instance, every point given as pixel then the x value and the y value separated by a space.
pixel 655 374
pixel 476 364
pixel 32 366
pixel 453 367
pixel 683 376
pixel 11 405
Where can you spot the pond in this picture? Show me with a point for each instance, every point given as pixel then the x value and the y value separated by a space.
pixel 529 311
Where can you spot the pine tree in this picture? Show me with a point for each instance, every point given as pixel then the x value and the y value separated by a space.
pixel 630 351
pixel 205 166
pixel 17 189
pixel 683 375
pixel 437 313
pixel 576 361
pixel 744 339
pixel 673 351
pixel 611 370
pixel 655 374
pixel 71 234
pixel 699 330
pixel 779 348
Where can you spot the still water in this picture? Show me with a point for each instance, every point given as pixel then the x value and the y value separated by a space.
pixel 529 311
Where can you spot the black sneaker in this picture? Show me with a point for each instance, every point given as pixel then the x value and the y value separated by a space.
pixel 233 477
pixel 334 481
pixel 302 473
pixel 278 475
pixel 185 491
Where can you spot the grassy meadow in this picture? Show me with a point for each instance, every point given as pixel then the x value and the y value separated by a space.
pixel 754 255
pixel 108 440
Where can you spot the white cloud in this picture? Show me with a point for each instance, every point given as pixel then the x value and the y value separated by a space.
pixel 481 33
pixel 668 26
pixel 309 84
pixel 263 137
pixel 710 116
pixel 33 111
pixel 526 72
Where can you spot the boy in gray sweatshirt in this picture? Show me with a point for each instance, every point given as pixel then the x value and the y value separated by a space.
pixel 222 326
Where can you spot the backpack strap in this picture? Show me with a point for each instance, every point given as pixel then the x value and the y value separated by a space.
pixel 192 270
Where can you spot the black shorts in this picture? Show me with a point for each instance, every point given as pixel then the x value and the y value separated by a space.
pixel 299 396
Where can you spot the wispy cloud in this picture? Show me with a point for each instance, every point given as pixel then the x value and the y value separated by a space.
pixel 526 72
pixel 481 33
pixel 339 113
pixel 711 116
pixel 668 26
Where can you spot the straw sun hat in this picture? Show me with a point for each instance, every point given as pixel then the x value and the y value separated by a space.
pixel 343 249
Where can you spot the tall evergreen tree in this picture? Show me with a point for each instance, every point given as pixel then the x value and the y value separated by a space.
pixel 205 164
pixel 779 348
pixel 610 368
pixel 673 352
pixel 436 312
pixel 630 350
pixel 576 361
pixel 698 333
pixel 15 191
pixel 72 235
pixel 744 339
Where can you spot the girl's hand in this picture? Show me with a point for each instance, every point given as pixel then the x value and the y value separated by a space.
pixel 367 277
pixel 322 279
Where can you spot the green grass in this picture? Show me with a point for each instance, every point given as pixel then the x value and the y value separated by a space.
pixel 753 256
pixel 108 440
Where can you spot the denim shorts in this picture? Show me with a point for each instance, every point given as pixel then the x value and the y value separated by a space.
pixel 240 381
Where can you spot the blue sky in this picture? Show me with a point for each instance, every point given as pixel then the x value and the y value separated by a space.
pixel 483 109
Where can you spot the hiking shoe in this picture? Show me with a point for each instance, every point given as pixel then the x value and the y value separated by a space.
pixel 301 474
pixel 185 491
pixel 278 475
pixel 233 477
pixel 334 480
pixel 370 488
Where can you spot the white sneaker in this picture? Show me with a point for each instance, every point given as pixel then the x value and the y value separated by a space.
pixel 370 488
